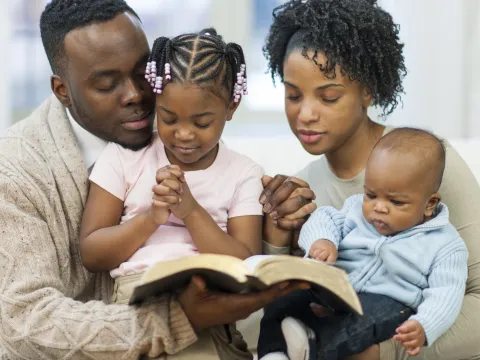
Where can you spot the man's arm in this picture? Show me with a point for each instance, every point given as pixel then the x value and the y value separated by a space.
pixel 37 319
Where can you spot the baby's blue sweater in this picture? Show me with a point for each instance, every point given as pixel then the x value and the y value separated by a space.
pixel 424 267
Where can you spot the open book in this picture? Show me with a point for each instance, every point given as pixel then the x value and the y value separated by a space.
pixel 256 273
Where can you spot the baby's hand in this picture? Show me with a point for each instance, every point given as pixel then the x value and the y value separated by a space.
pixel 173 190
pixel 324 250
pixel 412 336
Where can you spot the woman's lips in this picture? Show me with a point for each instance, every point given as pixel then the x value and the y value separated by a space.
pixel 310 137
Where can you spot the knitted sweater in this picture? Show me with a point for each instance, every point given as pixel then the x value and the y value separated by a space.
pixel 424 267
pixel 50 306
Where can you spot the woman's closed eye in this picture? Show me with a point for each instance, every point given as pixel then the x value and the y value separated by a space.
pixel 330 101
pixel 292 97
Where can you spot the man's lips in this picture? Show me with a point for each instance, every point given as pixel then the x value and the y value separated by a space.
pixel 137 121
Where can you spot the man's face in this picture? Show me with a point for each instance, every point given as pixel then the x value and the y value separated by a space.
pixel 104 85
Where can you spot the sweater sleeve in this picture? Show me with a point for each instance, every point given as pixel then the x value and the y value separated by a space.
pixel 328 223
pixel 39 321
pixel 443 298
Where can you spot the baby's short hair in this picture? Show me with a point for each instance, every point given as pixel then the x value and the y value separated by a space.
pixel 428 148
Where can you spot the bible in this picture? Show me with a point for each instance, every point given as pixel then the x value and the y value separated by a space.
pixel 230 274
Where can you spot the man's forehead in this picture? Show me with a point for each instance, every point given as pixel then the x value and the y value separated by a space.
pixel 104 42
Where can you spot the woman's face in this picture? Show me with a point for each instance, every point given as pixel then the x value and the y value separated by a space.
pixel 323 113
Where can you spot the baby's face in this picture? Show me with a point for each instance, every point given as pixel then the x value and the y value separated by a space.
pixel 398 192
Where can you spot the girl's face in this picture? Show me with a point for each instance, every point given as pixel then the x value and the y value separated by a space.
pixel 190 122
pixel 323 113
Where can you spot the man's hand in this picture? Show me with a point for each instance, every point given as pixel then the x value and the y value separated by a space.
pixel 324 250
pixel 205 308
pixel 173 192
pixel 412 336
pixel 287 200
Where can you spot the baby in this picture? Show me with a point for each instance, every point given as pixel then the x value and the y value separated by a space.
pixel 407 263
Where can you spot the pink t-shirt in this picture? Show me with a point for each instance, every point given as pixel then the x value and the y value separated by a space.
pixel 230 187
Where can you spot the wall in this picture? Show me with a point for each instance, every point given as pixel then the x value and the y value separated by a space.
pixel 5 113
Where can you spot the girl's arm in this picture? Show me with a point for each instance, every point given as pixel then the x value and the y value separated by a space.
pixel 104 244
pixel 244 231
pixel 243 238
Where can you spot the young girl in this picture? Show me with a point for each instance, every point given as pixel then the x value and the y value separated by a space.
pixel 186 192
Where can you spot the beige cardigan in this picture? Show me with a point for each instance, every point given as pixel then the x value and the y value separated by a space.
pixel 43 284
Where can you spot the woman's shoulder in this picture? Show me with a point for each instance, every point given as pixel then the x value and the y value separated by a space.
pixel 314 171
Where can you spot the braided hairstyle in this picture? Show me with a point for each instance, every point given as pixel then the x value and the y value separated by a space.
pixel 357 35
pixel 62 16
pixel 203 59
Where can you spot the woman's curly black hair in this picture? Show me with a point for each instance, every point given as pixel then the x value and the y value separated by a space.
pixel 355 34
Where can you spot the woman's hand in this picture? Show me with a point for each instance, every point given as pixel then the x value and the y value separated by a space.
pixel 287 200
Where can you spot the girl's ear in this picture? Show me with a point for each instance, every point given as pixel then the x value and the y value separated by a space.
pixel 432 204
pixel 232 108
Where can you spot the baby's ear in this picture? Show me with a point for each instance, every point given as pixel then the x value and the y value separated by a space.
pixel 432 204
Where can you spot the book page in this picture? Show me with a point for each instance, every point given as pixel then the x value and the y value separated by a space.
pixel 329 280
pixel 254 260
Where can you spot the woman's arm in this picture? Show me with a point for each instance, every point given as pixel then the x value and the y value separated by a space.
pixel 287 204
pixel 104 244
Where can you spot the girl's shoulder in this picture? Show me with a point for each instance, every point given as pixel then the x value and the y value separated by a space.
pixel 232 160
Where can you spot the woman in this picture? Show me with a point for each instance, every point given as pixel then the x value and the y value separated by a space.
pixel 336 58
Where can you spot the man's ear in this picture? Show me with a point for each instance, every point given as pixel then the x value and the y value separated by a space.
pixel 432 204
pixel 60 90
pixel 232 108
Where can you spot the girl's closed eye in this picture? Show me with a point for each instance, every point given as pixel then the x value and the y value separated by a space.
pixel 370 196
pixel 168 122
pixel 203 125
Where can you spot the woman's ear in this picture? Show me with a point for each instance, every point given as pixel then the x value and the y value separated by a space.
pixel 366 98
pixel 60 90
pixel 232 108
pixel 432 204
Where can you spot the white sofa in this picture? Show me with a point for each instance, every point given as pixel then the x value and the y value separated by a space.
pixel 285 155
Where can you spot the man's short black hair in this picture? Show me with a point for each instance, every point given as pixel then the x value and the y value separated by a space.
pixel 62 16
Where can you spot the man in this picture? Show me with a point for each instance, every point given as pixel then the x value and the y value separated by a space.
pixel 50 306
